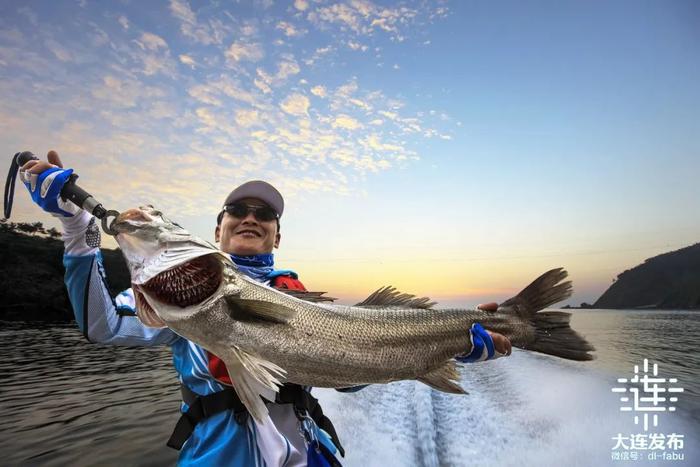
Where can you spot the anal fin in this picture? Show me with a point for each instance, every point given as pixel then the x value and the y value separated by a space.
pixel 445 379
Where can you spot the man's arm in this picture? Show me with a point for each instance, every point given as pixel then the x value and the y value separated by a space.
pixel 100 318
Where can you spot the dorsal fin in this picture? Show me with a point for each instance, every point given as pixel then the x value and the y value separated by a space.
pixel 306 295
pixel 389 296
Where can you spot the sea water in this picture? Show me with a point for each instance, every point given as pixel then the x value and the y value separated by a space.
pixel 65 401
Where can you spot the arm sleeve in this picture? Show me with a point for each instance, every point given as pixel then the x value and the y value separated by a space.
pixel 100 318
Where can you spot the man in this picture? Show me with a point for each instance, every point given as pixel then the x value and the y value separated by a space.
pixel 215 430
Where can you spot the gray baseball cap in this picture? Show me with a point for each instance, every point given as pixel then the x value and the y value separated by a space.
pixel 260 190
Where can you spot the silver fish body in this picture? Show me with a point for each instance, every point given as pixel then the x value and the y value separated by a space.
pixel 267 337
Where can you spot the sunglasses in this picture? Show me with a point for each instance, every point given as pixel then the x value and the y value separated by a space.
pixel 261 213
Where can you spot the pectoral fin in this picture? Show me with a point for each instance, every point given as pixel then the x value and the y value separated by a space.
pixel 253 377
pixel 444 379
pixel 243 309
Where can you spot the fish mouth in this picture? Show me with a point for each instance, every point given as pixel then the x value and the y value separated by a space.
pixel 187 284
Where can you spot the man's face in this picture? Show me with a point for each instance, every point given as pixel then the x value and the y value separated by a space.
pixel 247 236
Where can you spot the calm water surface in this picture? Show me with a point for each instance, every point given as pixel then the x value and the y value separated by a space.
pixel 67 402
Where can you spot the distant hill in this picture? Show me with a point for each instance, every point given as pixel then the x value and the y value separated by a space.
pixel 667 281
pixel 31 274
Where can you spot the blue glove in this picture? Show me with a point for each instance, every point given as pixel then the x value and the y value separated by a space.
pixel 45 189
pixel 482 346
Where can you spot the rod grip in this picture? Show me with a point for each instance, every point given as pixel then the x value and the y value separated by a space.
pixel 70 191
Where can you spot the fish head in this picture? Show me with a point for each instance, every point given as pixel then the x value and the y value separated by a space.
pixel 171 270
pixel 152 243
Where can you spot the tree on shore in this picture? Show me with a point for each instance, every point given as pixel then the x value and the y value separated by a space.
pixel 26 227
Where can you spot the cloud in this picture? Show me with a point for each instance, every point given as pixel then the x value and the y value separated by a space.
pixel 346 122
pixel 233 89
pixel 154 55
pixel 124 92
pixel 319 91
pixel 182 11
pixel 149 41
pixel 214 91
pixel 361 104
pixel 296 104
pixel 247 118
pixel 242 51
pixel 262 85
pixel 286 68
pixel 249 30
pixel 363 18
pixel 124 21
pixel 98 36
pixel 372 141
pixel 357 46
pixel 289 29
pixel 187 60
pixel 301 5
pixel 338 13
pixel 162 110
pixel 211 32
pixel 59 51
pixel 211 121
pixel 318 54
pixel 205 94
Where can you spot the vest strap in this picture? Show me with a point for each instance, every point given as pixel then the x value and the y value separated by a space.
pixel 201 407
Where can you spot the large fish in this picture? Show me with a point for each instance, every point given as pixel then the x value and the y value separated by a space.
pixel 267 337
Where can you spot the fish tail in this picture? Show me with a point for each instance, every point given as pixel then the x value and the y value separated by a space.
pixel 553 334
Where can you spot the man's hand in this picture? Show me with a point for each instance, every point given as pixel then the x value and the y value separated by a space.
pixel 44 180
pixel 500 342
pixel 38 166
pixel 491 306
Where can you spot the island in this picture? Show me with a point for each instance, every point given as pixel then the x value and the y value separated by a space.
pixel 668 281
pixel 31 273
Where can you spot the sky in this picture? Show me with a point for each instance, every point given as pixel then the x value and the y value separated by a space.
pixel 451 149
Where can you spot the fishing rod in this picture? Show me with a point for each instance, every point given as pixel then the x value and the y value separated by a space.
pixel 70 192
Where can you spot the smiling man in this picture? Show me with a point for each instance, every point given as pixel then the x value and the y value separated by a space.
pixel 215 429
pixel 249 222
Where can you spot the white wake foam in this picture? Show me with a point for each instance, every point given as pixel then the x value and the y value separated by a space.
pixel 528 409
